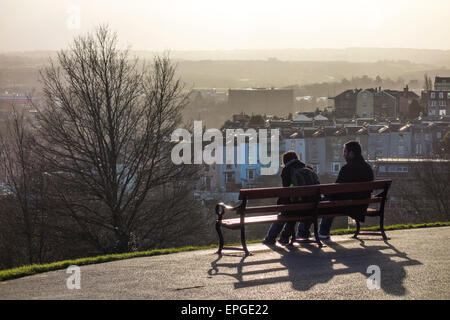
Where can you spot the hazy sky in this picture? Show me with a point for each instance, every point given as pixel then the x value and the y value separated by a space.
pixel 229 24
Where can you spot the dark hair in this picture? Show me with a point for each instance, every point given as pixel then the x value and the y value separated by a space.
pixel 353 146
pixel 288 156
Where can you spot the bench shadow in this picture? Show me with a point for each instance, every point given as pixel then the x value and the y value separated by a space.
pixel 307 266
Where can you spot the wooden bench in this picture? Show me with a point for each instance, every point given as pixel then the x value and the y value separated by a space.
pixel 301 211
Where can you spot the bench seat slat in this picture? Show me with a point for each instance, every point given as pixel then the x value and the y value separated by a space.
pixel 235 223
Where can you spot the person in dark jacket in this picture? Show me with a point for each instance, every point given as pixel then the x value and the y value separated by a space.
pixel 356 170
pixel 294 173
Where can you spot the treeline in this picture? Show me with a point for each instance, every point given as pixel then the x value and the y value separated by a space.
pixel 330 89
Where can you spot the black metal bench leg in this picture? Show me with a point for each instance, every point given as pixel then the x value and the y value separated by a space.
pixel 358 227
pixel 385 238
pixel 244 244
pixel 219 232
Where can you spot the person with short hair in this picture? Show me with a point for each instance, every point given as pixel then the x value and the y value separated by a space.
pixel 356 170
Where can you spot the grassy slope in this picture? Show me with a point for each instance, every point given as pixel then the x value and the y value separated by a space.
pixel 40 268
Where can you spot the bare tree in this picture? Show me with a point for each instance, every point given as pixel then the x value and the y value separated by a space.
pixel 105 133
pixel 22 206
pixel 426 190
pixel 428 83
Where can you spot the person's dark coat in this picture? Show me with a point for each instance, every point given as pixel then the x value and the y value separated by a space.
pixel 297 173
pixel 356 170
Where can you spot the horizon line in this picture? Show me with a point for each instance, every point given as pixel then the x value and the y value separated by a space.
pixel 242 49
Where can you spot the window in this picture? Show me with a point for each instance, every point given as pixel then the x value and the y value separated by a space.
pixel 251 174
pixel 229 177
pixel 418 148
pixel 433 103
pixel 448 95
pixel 438 135
pixel 442 103
pixel 433 95
pixel 401 151
pixel 441 95
pixel 335 167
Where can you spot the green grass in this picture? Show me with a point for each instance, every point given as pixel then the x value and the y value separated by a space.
pixel 393 227
pixel 40 268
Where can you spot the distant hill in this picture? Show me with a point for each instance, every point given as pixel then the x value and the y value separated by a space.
pixel 260 68
pixel 429 56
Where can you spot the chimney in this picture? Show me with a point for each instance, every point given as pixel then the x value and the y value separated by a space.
pixel 405 91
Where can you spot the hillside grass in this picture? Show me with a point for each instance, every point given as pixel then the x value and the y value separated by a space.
pixel 28 270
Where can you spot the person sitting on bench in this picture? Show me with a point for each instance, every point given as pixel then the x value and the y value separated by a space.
pixel 294 173
pixel 356 170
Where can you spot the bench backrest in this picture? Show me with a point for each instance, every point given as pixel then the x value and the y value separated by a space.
pixel 279 192
pixel 325 189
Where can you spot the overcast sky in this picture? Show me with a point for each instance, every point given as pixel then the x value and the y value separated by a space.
pixel 231 24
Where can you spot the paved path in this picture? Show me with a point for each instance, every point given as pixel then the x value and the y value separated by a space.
pixel 414 264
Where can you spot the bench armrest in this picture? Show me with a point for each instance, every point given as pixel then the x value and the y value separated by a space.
pixel 379 195
pixel 221 208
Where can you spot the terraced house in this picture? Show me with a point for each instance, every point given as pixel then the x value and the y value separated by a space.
pixel 365 103
pixel 345 103
pixel 436 102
